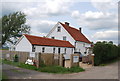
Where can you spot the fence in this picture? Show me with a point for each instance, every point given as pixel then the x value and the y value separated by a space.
pixel 40 58
pixel 88 59
pixel 47 58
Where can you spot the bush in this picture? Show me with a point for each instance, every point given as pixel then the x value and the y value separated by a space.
pixel 104 52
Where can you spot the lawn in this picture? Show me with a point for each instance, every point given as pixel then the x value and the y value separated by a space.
pixel 48 69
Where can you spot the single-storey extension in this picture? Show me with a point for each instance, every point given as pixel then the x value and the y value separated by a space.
pixel 30 43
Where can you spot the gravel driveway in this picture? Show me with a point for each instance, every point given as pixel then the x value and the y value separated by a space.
pixel 101 72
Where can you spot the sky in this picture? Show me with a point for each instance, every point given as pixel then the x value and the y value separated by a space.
pixel 97 18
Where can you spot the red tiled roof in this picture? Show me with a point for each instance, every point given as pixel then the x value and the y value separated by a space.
pixel 35 40
pixel 75 33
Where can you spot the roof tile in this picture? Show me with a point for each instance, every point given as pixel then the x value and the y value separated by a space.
pixel 75 33
pixel 35 40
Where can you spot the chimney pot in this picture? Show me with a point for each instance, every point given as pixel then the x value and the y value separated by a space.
pixel 80 29
pixel 67 23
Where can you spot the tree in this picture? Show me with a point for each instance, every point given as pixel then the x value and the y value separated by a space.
pixel 13 26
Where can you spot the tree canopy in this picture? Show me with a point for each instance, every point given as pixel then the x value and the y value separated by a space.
pixel 13 26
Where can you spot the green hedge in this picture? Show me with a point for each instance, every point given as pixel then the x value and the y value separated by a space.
pixel 105 52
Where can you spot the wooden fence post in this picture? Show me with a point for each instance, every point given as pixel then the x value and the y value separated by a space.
pixel 61 60
pixel 38 60
pixel 92 59
pixel 71 60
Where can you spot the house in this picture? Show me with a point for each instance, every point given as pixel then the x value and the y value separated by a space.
pixel 30 43
pixel 62 39
pixel 74 36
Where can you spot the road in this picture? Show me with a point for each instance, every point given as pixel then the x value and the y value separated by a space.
pixel 101 72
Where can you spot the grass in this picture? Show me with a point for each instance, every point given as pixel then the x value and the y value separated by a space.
pixel 59 69
pixel 48 69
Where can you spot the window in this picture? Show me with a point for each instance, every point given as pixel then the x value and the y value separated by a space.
pixel 72 51
pixel 65 50
pixel 53 37
pixel 59 29
pixel 43 49
pixel 33 48
pixel 53 50
pixel 84 45
pixel 64 37
pixel 58 50
pixel 79 50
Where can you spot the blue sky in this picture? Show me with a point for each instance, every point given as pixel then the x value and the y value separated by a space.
pixel 98 19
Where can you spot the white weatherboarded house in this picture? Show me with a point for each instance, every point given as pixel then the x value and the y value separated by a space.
pixel 74 36
pixel 30 43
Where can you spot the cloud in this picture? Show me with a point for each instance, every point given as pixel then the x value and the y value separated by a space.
pixel 49 8
pixel 105 5
pixel 46 8
pixel 96 20
pixel 14 6
pixel 108 35
pixel 40 27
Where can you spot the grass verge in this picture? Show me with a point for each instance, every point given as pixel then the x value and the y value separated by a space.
pixel 48 69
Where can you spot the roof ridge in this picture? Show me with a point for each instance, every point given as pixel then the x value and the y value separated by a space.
pixel 70 26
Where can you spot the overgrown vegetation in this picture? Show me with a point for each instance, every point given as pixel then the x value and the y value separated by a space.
pixel 105 52
pixel 48 69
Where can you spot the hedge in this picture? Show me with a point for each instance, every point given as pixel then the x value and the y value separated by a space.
pixel 104 52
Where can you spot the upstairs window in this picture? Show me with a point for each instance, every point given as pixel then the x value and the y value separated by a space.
pixel 43 49
pixel 58 29
pixel 53 37
pixel 33 48
pixel 64 37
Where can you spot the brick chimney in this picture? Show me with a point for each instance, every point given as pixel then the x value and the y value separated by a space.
pixel 67 23
pixel 80 29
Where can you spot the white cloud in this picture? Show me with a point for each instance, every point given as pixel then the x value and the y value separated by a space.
pixel 40 27
pixel 108 35
pixel 49 8
pixel 104 5
pixel 75 14
pixel 96 20
pixel 46 8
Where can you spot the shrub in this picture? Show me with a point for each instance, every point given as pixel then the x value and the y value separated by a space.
pixel 104 52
